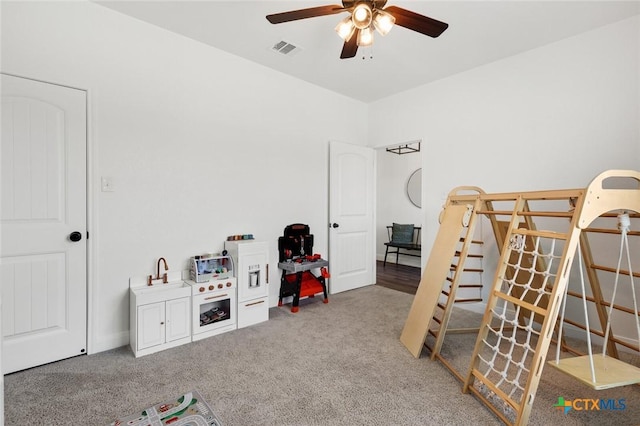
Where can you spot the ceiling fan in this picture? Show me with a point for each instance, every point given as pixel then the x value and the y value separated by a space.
pixel 365 15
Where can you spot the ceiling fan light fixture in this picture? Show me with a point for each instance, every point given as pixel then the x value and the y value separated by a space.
pixel 345 28
pixel 383 21
pixel 365 17
pixel 362 16
pixel 365 37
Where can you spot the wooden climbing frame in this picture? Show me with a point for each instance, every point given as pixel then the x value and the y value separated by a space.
pixel 537 234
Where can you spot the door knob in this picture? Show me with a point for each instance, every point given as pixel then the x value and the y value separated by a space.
pixel 75 236
pixel 335 225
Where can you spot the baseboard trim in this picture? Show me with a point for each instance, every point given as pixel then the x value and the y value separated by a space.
pixel 113 341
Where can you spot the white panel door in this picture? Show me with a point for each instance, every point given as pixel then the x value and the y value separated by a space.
pixel 43 272
pixel 351 216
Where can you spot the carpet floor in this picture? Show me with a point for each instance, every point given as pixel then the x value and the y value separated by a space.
pixel 339 363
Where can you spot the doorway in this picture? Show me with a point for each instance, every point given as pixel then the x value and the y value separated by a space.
pixel 396 174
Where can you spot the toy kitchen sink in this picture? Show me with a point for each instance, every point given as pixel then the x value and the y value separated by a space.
pixel 160 314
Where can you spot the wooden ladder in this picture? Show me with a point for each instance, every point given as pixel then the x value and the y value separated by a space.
pixel 456 282
pixel 451 249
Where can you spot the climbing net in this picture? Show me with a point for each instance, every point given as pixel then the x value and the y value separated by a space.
pixel 511 336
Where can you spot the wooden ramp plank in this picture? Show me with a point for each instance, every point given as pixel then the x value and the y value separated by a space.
pixel 433 279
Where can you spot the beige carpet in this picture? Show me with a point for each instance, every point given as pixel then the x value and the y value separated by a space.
pixel 336 364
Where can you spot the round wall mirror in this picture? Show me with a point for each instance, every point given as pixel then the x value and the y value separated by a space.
pixel 414 188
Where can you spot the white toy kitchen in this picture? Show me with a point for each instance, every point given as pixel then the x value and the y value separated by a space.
pixel 217 294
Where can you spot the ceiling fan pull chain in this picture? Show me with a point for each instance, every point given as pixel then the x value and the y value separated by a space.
pixel 364 53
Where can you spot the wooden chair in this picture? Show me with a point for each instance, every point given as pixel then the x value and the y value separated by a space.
pixel 404 239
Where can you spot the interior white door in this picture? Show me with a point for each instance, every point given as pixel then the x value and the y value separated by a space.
pixel 43 212
pixel 351 216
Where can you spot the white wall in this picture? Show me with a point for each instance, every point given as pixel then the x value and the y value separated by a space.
pixel 553 117
pixel 393 204
pixel 200 144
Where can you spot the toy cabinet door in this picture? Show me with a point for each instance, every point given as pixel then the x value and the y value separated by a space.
pixel 151 325
pixel 178 318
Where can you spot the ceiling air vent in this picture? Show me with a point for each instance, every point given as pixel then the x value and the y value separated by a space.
pixel 285 48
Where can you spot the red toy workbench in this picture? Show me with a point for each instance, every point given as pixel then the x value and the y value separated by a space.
pixel 298 280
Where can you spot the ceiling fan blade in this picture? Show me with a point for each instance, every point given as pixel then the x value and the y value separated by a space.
pixel 350 47
pixel 312 12
pixel 416 22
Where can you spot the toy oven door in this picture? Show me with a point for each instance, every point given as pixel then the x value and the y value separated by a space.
pixel 214 310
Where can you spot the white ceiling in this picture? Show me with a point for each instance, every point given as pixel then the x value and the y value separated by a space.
pixel 479 32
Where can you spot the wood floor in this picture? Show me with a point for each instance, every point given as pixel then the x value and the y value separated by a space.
pixel 398 277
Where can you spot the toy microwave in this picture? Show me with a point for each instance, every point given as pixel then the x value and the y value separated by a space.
pixel 208 267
